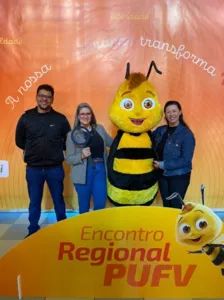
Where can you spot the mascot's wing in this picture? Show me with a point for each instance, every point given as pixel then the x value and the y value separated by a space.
pixel 219 240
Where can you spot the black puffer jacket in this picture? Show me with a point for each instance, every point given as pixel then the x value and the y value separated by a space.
pixel 42 136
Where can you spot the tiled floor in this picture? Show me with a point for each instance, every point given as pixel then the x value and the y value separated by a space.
pixel 13 229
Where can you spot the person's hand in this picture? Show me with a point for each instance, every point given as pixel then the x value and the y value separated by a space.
pixel 86 152
pixel 156 164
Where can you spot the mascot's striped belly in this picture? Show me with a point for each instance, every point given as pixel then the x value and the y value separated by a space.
pixel 216 255
pixel 132 179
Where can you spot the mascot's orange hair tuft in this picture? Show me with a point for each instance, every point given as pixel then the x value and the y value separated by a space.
pixel 135 79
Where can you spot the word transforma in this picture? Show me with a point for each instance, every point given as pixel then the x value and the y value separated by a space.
pixel 28 84
pixel 178 53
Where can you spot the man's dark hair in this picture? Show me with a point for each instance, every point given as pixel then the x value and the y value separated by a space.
pixel 46 87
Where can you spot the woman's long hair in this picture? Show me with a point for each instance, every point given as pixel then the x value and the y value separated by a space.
pixel 80 106
pixel 181 118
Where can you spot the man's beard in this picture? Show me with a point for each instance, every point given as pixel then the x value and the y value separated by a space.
pixel 44 108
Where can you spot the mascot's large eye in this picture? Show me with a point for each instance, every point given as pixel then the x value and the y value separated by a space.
pixel 127 104
pixel 148 103
pixel 184 228
pixel 201 224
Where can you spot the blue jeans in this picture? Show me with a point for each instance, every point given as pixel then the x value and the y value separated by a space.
pixel 35 181
pixel 95 186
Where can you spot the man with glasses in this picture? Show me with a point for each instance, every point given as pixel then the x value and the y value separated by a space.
pixel 41 134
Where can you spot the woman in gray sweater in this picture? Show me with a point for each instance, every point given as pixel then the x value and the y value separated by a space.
pixel 88 178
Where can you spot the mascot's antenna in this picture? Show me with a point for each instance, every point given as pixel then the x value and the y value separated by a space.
pixel 177 196
pixel 127 71
pixel 153 64
pixel 203 193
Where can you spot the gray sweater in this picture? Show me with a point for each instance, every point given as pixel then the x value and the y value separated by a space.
pixel 73 155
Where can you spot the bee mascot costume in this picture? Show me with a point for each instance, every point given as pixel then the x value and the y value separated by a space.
pixel 132 179
pixel 198 226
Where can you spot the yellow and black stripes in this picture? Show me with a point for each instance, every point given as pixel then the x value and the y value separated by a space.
pixel 132 179
pixel 133 182
pixel 216 254
pixel 134 153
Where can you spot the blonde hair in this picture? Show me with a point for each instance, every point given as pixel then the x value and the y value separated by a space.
pixel 80 106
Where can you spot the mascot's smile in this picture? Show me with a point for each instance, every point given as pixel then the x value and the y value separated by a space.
pixel 197 240
pixel 137 121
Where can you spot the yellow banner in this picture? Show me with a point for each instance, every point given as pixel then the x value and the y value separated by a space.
pixel 117 252
pixel 85 62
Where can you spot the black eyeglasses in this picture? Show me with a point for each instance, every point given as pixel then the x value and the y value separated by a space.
pixel 83 114
pixel 44 96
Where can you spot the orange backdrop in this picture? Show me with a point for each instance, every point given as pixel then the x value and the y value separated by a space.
pixel 86 45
